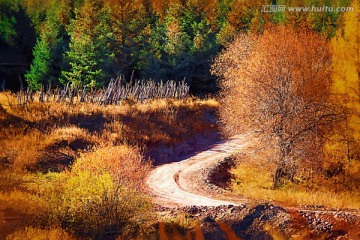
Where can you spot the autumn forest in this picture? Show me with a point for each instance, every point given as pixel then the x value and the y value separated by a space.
pixel 89 42
pixel 98 96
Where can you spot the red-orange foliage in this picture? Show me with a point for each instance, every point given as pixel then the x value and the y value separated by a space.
pixel 278 84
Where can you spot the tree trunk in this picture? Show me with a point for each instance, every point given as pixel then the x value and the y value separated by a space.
pixel 283 172
pixel 279 175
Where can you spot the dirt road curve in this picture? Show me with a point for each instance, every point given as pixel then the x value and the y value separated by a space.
pixel 180 183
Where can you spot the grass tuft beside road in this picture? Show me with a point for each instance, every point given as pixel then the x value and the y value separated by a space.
pixel 255 182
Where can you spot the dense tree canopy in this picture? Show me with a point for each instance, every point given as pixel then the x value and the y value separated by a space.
pixel 47 52
pixel 157 39
pixel 346 75
pixel 89 57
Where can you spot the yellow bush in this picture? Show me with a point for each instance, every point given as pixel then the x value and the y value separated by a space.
pixel 93 205
pixel 125 164
pixel 83 203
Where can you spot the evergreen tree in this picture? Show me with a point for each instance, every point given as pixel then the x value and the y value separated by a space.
pixel 170 47
pixel 8 21
pixel 326 22
pixel 90 62
pixel 128 22
pixel 47 53
pixel 182 44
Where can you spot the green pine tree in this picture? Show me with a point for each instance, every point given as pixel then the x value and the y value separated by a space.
pixel 89 58
pixel 47 53
pixel 8 21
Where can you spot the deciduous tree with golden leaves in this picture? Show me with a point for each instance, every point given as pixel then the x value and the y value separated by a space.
pixel 346 74
pixel 278 84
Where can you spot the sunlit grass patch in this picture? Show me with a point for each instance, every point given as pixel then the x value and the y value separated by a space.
pixel 125 164
pixel 181 226
pixel 22 150
pixel 74 137
pixel 256 183
pixel 7 100
pixel 30 233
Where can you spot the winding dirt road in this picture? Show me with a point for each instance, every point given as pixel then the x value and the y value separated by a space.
pixel 182 183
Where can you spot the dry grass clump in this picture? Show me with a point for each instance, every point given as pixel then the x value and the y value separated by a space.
pixel 22 150
pixel 315 191
pixel 31 233
pixel 181 226
pixel 69 134
pixel 125 164
pixel 7 100
pixel 42 150
pixel 73 138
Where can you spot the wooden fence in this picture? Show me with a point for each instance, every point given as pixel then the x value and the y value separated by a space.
pixel 113 93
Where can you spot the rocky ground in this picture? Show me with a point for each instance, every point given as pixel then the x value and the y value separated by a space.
pixel 267 221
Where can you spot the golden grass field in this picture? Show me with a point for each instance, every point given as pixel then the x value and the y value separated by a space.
pixel 259 186
pixel 77 170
